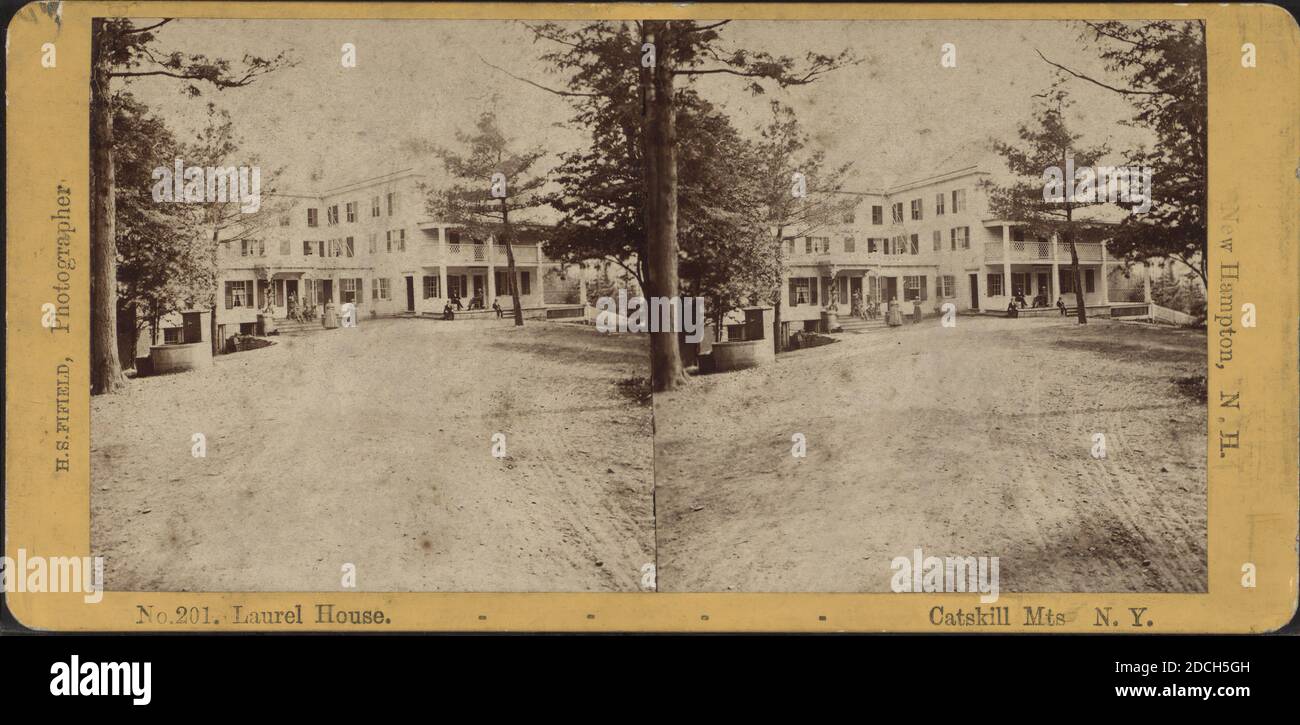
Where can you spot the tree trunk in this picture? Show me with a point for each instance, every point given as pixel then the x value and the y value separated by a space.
pixel 1078 280
pixel 660 144
pixel 105 365
pixel 510 264
pixel 780 285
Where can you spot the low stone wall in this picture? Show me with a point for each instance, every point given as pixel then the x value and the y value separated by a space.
pixel 740 355
pixel 177 358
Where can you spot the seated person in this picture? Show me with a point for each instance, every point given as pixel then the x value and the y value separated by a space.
pixel 496 305
pixel 1011 309
pixel 1040 300
pixel 1060 304
pixel 447 313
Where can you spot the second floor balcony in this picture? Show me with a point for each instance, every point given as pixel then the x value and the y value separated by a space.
pixel 1040 251
pixel 470 254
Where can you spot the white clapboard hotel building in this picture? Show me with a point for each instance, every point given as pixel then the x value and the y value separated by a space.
pixel 371 243
pixel 933 241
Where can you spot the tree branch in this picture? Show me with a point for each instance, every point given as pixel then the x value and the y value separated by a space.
pixel 1126 91
pixel 538 85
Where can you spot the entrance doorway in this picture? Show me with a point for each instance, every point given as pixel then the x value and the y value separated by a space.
pixel 410 294
pixel 975 291
pixel 888 288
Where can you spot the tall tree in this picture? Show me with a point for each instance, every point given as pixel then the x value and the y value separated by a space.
pixel 804 207
pixel 227 222
pixel 1049 145
pixel 1161 69
pixel 121 50
pixel 660 52
pixel 162 266
pixel 490 180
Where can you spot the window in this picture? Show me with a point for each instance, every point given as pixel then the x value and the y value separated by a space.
pixel 388 240
pixel 392 202
pixel 914 288
pixel 915 246
pixel 350 290
pixel 453 236
pixel 802 291
pixel 1088 285
pixel 379 289
pixel 312 219
pixel 373 238
pixel 916 210
pixel 252 248
pixel 374 206
pixel 896 212
pixel 847 218
pixel 849 245
pixel 938 204
pixel 958 200
pixel 284 247
pixel 963 236
pixel 952 233
pixel 320 247
pixel 938 240
pixel 348 248
pixel 877 214
pixel 995 284
pixel 173 335
pixel 332 215
pixel 789 246
pixel 873 244
pixel 946 286
pixel 523 283
pixel 1067 281
pixel 430 283
pixel 306 248
pixel 503 282
pixel 819 245
pixel 401 240
pixel 239 294
pixel 352 211
pixel 807 245
pixel 284 220
pixel 1020 282
pixel 336 248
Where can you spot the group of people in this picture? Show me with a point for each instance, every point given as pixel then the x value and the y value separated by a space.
pixel 1017 303
pixel 453 303
pixel 299 311
pixel 866 309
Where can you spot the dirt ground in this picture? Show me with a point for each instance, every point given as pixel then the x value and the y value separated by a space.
pixel 372 446
pixel 974 440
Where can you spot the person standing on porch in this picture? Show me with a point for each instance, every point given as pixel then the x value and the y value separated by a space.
pixel 894 312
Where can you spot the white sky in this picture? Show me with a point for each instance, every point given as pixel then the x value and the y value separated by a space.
pixel 898 115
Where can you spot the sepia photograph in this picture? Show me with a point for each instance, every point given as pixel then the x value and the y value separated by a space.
pixel 680 306
pixel 968 351
pixel 342 337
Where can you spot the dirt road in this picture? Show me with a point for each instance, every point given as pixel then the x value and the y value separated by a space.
pixel 974 440
pixel 372 446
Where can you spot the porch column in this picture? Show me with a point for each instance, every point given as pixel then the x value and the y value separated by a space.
pixel 1006 259
pixel 442 280
pixel 1105 279
pixel 1146 282
pixel 582 287
pixel 491 273
pixel 1055 282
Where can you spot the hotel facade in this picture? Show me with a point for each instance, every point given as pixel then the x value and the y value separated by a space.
pixel 373 244
pixel 933 241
